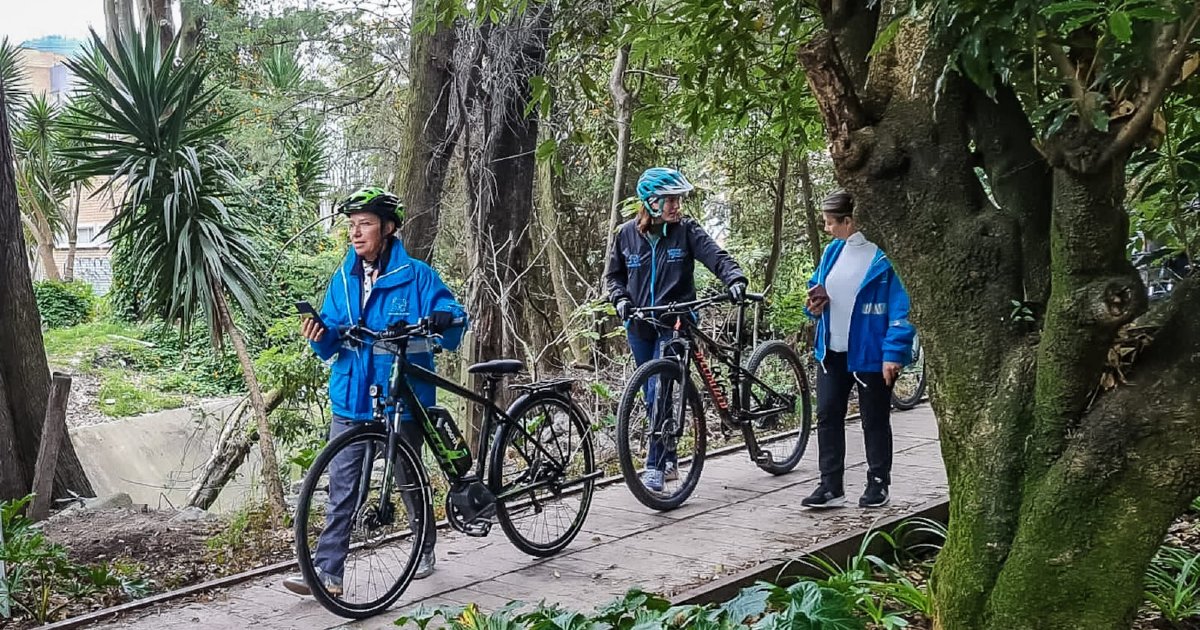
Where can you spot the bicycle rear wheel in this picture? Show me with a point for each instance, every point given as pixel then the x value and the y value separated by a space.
pixel 778 432
pixel 650 434
pixel 543 471
pixel 351 518
pixel 910 385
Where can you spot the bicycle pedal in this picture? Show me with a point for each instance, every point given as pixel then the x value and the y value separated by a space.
pixel 478 529
pixel 764 458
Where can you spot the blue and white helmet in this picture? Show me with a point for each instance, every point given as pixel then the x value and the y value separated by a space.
pixel 661 182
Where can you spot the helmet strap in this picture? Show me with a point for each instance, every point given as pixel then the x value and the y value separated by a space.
pixel 650 206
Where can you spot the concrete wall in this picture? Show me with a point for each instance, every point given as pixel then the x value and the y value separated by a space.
pixel 156 457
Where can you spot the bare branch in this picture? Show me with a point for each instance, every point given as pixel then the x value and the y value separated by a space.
pixel 1137 125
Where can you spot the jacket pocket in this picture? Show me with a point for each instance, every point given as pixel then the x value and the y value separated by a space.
pixel 341 378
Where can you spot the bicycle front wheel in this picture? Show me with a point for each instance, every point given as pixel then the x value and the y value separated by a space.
pixel 780 421
pixel 359 530
pixel 541 469
pixel 655 439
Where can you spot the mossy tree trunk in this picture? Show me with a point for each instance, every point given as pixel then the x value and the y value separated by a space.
pixel 1060 490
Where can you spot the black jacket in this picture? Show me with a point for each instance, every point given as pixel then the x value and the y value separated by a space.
pixel 651 274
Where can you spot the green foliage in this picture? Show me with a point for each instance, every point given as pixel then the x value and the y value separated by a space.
pixel 120 396
pixel 1173 583
pixel 40 579
pixel 153 134
pixel 64 304
pixel 802 606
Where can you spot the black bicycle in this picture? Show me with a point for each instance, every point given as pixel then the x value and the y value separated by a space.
pixel 661 426
pixel 536 481
pixel 910 384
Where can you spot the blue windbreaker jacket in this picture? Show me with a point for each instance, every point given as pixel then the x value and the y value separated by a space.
pixel 880 313
pixel 406 290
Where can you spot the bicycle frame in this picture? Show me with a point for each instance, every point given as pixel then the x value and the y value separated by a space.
pixel 685 331
pixel 400 390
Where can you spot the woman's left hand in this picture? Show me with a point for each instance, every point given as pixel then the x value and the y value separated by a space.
pixel 890 372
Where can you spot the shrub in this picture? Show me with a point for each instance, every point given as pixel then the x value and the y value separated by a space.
pixel 64 304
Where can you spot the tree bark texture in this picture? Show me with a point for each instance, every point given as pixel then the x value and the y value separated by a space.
pixel 24 374
pixel 266 443
pixel 777 221
pixel 1060 492
pixel 623 106
pixel 119 21
pixel 73 232
pixel 430 142
pixel 811 213
pixel 502 174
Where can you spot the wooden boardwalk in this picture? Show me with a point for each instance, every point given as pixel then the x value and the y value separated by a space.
pixel 738 518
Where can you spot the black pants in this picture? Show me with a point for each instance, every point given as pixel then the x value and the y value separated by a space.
pixel 875 405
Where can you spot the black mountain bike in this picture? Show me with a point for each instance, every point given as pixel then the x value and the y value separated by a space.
pixel 661 420
pixel 910 385
pixel 537 479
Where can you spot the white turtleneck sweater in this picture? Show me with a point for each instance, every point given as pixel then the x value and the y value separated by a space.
pixel 842 283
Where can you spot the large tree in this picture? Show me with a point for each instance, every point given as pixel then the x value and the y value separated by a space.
pixel 430 142
pixel 987 144
pixel 24 374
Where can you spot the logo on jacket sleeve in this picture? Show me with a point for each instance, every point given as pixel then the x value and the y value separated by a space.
pixel 632 261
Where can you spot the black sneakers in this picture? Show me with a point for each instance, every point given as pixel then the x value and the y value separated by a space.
pixel 876 494
pixel 824 497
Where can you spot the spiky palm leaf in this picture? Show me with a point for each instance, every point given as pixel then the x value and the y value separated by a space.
pixel 310 159
pixel 10 73
pixel 150 131
pixel 43 180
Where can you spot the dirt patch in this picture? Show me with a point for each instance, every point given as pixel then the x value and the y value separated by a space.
pixel 163 549
pixel 81 404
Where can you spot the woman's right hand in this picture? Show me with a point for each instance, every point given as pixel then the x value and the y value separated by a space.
pixel 311 330
pixel 818 298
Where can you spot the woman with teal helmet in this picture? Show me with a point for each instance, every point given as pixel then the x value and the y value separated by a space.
pixel 653 262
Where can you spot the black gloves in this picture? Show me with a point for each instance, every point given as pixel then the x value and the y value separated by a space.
pixel 624 308
pixel 737 291
pixel 440 321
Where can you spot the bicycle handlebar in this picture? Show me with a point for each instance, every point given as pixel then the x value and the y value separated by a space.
pixel 676 308
pixel 399 332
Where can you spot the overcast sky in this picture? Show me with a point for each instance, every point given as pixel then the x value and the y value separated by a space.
pixel 29 19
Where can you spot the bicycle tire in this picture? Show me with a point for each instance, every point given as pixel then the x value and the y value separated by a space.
pixel 365 433
pixel 506 442
pixel 756 443
pixel 670 369
pixel 902 401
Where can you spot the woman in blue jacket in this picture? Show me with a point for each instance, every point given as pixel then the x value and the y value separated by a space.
pixel 377 285
pixel 653 262
pixel 863 337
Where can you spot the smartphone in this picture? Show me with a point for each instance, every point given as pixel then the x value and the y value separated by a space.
pixel 306 310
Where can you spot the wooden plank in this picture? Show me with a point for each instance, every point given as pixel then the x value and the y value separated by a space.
pixel 54 431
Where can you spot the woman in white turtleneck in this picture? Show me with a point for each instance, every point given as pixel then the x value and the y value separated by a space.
pixel 863 339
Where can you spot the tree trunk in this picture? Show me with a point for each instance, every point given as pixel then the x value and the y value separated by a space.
pixel 157 14
pixel 623 106
pixel 430 144
pixel 119 21
pixel 45 246
pixel 229 453
pixel 1060 490
pixel 810 210
pixel 73 234
pixel 266 443
pixel 550 209
pixel 24 374
pixel 190 28
pixel 777 222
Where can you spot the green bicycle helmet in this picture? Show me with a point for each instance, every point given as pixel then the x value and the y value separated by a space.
pixel 375 200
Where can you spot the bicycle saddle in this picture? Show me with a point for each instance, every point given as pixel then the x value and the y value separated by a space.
pixel 497 366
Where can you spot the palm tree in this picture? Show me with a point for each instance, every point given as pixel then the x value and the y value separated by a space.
pixel 43 183
pixel 151 129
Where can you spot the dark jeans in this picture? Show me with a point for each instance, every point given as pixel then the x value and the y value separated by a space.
pixel 344 473
pixel 646 350
pixel 875 405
